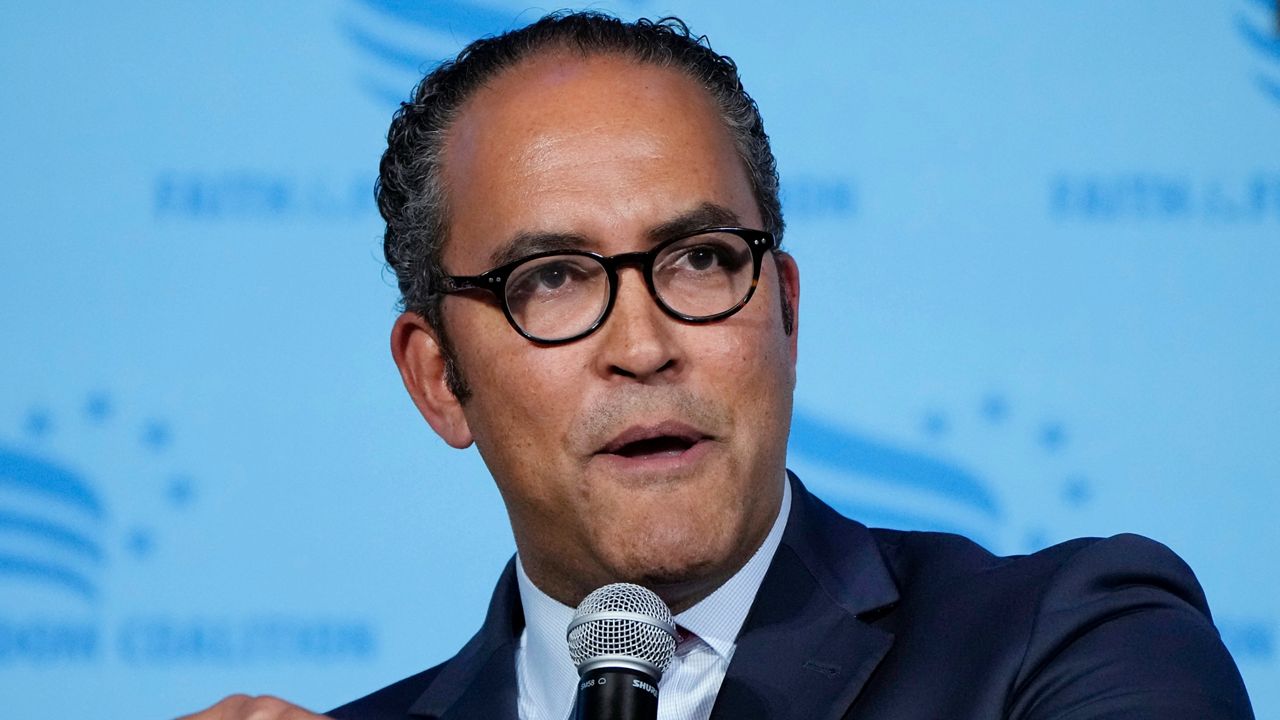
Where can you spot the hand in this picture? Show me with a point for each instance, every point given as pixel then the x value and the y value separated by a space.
pixel 244 707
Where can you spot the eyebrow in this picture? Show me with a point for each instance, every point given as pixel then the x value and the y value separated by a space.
pixel 706 215
pixel 527 243
pixel 524 244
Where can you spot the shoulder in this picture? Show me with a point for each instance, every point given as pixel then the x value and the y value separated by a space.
pixel 928 562
pixel 1026 599
pixel 1119 625
pixel 392 701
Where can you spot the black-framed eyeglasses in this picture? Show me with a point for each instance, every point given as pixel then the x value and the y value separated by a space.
pixel 559 296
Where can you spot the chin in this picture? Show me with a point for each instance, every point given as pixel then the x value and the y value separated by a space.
pixel 675 556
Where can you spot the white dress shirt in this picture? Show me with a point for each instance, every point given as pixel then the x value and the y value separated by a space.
pixel 547 680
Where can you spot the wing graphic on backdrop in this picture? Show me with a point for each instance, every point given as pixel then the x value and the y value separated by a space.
pixel 880 484
pixel 51 522
pixel 1266 43
pixel 400 38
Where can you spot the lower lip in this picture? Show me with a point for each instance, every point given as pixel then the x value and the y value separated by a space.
pixel 664 462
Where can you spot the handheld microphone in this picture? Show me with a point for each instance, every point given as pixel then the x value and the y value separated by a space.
pixel 621 638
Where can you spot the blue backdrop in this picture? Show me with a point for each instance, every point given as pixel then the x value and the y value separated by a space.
pixel 1039 244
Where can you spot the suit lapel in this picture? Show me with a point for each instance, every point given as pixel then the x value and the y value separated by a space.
pixel 803 652
pixel 480 681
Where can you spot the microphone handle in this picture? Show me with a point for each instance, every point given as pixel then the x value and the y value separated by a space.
pixel 615 693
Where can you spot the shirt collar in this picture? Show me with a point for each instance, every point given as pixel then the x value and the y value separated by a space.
pixel 545 676
pixel 718 617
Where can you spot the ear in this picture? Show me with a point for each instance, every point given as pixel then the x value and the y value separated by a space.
pixel 421 361
pixel 789 287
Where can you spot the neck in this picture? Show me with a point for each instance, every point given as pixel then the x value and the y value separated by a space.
pixel 680 590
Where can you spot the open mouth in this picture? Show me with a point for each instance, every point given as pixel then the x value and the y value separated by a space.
pixel 661 445
pixel 665 439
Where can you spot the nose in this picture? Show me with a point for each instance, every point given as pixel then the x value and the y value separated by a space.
pixel 638 339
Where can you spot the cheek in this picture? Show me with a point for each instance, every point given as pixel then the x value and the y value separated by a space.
pixel 522 397
pixel 751 352
pixel 753 367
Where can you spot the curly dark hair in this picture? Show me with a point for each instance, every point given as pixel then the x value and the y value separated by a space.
pixel 410 193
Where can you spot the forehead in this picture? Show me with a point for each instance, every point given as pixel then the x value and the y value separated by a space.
pixel 593 145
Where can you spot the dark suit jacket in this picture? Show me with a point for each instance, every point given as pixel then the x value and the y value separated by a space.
pixel 880 624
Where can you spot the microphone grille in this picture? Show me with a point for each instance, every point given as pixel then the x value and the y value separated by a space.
pixel 623 621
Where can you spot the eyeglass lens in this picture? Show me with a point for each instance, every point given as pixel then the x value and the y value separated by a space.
pixel 561 296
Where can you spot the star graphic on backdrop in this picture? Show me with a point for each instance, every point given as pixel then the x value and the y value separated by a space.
pixel 156 435
pixel 935 424
pixel 180 491
pixel 98 407
pixel 1077 491
pixel 1052 436
pixel 140 542
pixel 994 408
pixel 38 423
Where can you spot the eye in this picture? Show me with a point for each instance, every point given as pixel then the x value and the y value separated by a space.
pixel 707 255
pixel 551 278
pixel 701 257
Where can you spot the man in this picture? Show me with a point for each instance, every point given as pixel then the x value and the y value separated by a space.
pixel 583 217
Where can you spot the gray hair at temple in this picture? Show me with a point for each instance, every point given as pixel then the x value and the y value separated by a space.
pixel 410 193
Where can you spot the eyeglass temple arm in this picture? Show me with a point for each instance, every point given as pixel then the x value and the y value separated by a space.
pixel 458 283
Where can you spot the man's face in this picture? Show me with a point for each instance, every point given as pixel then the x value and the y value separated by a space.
pixel 652 450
